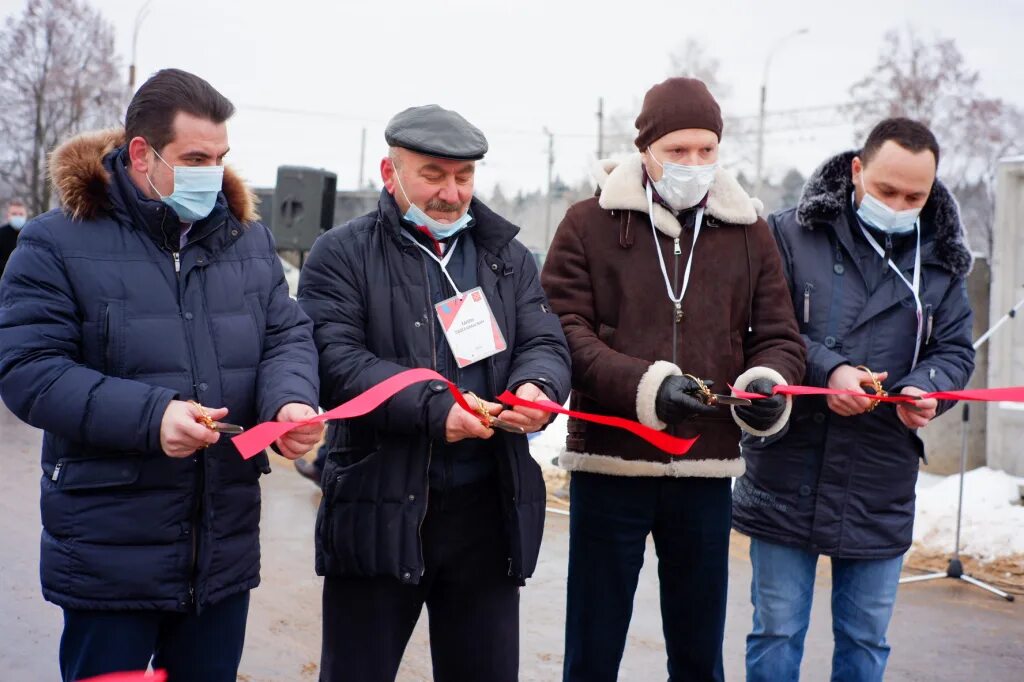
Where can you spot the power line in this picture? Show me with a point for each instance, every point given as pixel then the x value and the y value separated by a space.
pixel 817 116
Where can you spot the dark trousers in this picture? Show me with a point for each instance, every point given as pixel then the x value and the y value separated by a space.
pixel 191 648
pixel 472 604
pixel 610 519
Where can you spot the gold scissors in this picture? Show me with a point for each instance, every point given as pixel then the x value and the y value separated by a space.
pixel 219 427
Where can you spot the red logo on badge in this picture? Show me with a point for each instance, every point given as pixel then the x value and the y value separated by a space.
pixel 476 296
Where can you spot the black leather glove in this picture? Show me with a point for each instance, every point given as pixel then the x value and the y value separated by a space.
pixel 678 400
pixel 762 414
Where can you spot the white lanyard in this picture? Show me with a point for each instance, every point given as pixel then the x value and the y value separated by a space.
pixel 443 262
pixel 698 219
pixel 915 286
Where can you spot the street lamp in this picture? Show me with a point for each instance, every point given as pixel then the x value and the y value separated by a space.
pixel 547 198
pixel 139 18
pixel 764 93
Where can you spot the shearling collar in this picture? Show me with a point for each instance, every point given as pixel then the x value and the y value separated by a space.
pixel 621 183
pixel 826 197
pixel 83 184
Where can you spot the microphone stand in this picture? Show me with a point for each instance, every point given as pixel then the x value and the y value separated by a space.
pixel 955 569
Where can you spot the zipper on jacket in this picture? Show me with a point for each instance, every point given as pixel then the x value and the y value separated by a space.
pixel 808 288
pixel 197 509
pixel 56 470
pixel 492 386
pixel 888 249
pixel 197 512
pixel 430 447
pixel 108 366
pixel 677 314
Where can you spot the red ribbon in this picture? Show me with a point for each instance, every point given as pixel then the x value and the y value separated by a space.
pixel 141 676
pixel 659 439
pixel 262 436
pixel 1014 394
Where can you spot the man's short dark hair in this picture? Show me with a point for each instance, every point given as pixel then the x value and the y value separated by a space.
pixel 16 203
pixel 907 133
pixel 153 108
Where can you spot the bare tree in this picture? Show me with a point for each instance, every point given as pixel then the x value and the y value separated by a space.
pixel 693 60
pixel 620 131
pixel 930 82
pixel 60 75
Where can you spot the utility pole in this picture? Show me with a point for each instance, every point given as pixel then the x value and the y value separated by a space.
pixel 759 173
pixel 547 202
pixel 139 18
pixel 362 160
pixel 600 127
pixel 761 113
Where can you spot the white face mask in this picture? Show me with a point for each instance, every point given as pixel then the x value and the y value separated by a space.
pixel 683 187
pixel 879 216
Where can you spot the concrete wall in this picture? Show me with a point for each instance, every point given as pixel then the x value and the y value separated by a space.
pixel 1006 360
pixel 942 438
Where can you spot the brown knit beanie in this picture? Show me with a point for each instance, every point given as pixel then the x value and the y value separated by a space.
pixel 677 104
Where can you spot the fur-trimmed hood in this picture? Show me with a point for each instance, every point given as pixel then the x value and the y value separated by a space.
pixel 621 183
pixel 826 197
pixel 82 182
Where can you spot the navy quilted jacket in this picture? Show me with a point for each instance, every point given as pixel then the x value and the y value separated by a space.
pixel 101 325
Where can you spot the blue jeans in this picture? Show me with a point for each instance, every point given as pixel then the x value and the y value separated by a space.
pixel 610 520
pixel 863 597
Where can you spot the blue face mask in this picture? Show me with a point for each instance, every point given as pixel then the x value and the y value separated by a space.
pixel 876 214
pixel 439 230
pixel 18 221
pixel 195 190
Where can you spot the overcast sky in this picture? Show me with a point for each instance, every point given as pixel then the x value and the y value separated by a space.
pixel 513 68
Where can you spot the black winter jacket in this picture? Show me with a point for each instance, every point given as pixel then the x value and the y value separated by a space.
pixel 365 286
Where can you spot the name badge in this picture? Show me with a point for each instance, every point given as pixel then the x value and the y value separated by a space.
pixel 470 327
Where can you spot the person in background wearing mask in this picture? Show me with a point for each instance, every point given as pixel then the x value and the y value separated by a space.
pixel 875 256
pixel 153 291
pixel 667 285
pixel 17 216
pixel 424 502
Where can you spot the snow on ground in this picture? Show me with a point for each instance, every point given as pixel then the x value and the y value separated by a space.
pixel 546 445
pixel 993 521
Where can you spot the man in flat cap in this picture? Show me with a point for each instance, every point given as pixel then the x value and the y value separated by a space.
pixel 424 502
pixel 666 279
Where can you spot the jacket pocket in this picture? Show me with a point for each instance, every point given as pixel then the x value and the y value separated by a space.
pixel 252 302
pixel 112 336
pixel 347 495
pixel 737 358
pixel 93 473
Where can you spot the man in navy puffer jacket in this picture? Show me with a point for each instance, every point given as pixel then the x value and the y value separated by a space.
pixel 154 285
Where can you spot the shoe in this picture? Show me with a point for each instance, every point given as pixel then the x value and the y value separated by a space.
pixel 308 469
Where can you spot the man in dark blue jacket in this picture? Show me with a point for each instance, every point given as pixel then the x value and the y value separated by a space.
pixel 876 257
pixel 152 292
pixel 425 503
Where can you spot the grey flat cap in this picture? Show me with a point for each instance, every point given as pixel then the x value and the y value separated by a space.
pixel 434 131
